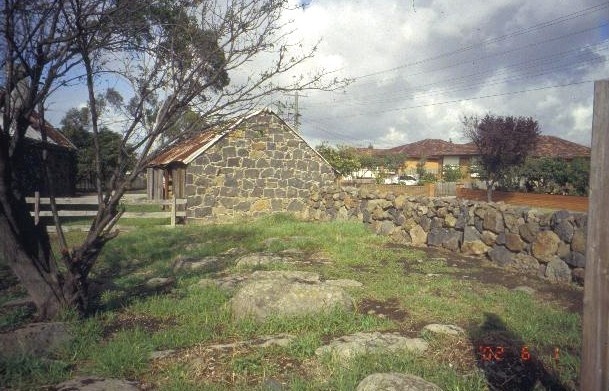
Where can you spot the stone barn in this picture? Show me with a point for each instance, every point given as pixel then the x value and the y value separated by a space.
pixel 254 165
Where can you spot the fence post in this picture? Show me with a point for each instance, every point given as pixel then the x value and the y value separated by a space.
pixel 173 211
pixel 595 348
pixel 36 207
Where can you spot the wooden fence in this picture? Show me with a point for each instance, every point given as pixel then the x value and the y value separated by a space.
pixel 427 190
pixel 551 201
pixel 84 207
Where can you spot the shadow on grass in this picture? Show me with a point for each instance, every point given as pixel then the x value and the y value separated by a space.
pixel 507 361
pixel 129 262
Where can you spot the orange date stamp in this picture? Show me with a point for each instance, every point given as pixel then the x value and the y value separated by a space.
pixel 498 353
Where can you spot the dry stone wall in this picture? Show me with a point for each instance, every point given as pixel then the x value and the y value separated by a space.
pixel 260 167
pixel 549 245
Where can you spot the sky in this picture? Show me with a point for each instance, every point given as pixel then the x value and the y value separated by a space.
pixel 418 66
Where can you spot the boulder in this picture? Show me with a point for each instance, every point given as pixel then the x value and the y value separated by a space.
pixel 261 259
pixel 264 298
pixel 577 260
pixel 488 238
pixel 529 231
pixel 353 345
pixel 493 221
pixel 545 246
pixel 525 263
pixel 564 230
pixel 513 242
pixel 395 382
pixel 35 339
pixel 192 264
pixel 448 329
pixel 558 271
pixel 501 255
pixel 160 283
pixel 418 235
pixel 343 283
pixel 474 247
pixel 578 242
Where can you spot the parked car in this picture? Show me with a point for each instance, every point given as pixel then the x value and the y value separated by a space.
pixel 408 180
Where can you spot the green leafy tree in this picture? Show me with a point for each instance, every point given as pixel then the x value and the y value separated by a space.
pixel 451 173
pixel 343 158
pixel 502 142
pixel 75 126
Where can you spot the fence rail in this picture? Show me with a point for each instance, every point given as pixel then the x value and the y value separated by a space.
pixel 175 210
pixel 574 203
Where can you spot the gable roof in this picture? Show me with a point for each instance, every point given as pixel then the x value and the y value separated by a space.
pixel 551 146
pixel 435 148
pixel 188 150
pixel 547 146
pixel 32 133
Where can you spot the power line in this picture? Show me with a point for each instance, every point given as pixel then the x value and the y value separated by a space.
pixel 538 26
pixel 461 100
pixel 529 65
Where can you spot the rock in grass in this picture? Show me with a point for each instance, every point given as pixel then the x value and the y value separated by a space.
pixel 264 298
pixel 349 346
pixel 449 329
pixel 36 339
pixel 97 384
pixel 262 259
pixel 395 382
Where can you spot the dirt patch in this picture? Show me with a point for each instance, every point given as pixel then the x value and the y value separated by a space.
pixel 484 271
pixel 238 365
pixel 130 322
pixel 389 309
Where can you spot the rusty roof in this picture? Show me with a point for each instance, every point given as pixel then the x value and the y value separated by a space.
pixel 54 137
pixel 187 150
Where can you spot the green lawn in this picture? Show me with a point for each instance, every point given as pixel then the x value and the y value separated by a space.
pixel 130 323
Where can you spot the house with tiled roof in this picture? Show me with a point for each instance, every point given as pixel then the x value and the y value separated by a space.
pixel 435 154
pixel 253 165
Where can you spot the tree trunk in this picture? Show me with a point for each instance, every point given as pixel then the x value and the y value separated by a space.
pixel 489 191
pixel 26 248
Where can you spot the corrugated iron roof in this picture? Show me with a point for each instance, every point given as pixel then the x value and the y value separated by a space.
pixel 54 137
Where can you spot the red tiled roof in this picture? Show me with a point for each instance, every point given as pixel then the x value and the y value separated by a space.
pixel 550 146
pixel 547 146
pixel 431 148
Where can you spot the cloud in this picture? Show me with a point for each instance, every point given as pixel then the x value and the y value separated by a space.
pixel 420 67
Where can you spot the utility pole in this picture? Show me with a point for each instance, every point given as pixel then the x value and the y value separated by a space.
pixel 595 347
pixel 296 113
pixel 285 110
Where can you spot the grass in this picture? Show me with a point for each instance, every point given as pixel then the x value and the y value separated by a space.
pixel 131 322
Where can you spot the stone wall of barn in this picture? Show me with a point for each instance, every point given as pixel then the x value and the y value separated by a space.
pixel 550 245
pixel 260 167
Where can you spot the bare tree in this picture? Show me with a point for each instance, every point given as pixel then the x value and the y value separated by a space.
pixel 502 142
pixel 170 58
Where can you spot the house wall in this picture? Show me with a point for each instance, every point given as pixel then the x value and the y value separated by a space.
pixel 431 165
pixel 260 167
pixel 62 168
